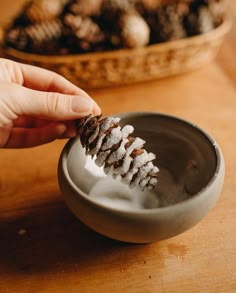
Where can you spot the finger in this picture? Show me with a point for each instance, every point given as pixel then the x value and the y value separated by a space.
pixel 45 80
pixel 4 135
pixel 30 137
pixel 71 129
pixel 42 79
pixel 32 122
pixel 47 105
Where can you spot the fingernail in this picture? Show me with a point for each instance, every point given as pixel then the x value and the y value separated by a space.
pixel 96 110
pixel 82 105
pixel 61 129
pixel 71 131
pixel 66 129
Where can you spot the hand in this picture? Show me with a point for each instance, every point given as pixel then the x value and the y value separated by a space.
pixel 38 106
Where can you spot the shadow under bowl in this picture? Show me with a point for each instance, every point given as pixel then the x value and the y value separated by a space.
pixel 189 182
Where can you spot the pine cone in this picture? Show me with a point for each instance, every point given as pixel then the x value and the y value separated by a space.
pixel 42 10
pixel 38 38
pixel 144 6
pixel 38 11
pixel 17 38
pixel 200 21
pixel 83 32
pixel 218 10
pixel 119 5
pixel 112 11
pixel 121 154
pixel 167 23
pixel 205 20
pixel 132 31
pixel 84 7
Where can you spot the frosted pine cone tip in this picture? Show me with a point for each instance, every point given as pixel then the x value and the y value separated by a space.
pixel 120 154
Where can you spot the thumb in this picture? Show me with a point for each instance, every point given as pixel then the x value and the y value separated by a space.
pixel 50 105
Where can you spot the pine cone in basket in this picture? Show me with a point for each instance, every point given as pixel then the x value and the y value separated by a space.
pixel 218 10
pixel 77 26
pixel 200 20
pixel 119 5
pixel 83 34
pixel 121 154
pixel 125 27
pixel 131 31
pixel 150 6
pixel 84 7
pixel 38 11
pixel 167 23
pixel 112 10
pixel 145 6
pixel 43 38
pixel 17 38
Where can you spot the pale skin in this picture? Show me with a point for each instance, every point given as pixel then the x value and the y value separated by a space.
pixel 38 106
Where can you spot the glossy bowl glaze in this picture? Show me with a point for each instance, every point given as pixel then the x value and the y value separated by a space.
pixel 190 181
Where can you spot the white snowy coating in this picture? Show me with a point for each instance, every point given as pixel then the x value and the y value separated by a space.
pixel 104 126
pixel 127 130
pixel 142 173
pixel 101 157
pixel 141 160
pixel 127 160
pixel 113 138
pixel 137 162
pixel 124 168
pixel 143 182
pixel 129 176
pixel 154 170
pixel 121 151
pixel 112 193
pixel 106 123
pixel 136 144
pixel 153 181
pixel 121 155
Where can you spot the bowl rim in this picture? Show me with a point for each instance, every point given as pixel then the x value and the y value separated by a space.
pixel 219 165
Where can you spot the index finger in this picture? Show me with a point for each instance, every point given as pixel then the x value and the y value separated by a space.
pixel 45 80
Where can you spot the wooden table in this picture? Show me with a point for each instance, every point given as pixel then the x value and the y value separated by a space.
pixel 44 248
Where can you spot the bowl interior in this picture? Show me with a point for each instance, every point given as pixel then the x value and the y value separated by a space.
pixel 186 157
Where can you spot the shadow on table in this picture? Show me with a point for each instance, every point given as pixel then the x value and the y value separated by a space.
pixel 49 238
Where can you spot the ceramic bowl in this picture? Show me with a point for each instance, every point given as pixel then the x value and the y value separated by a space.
pixel 189 182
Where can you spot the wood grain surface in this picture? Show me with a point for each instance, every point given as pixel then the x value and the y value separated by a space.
pixel 44 248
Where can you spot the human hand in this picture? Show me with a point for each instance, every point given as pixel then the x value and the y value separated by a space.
pixel 38 106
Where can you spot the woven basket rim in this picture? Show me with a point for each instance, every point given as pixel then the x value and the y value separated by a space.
pixel 218 32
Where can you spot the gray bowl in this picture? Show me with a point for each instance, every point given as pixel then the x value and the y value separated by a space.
pixel 190 181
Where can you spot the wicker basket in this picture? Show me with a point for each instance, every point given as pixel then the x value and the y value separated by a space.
pixel 97 70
